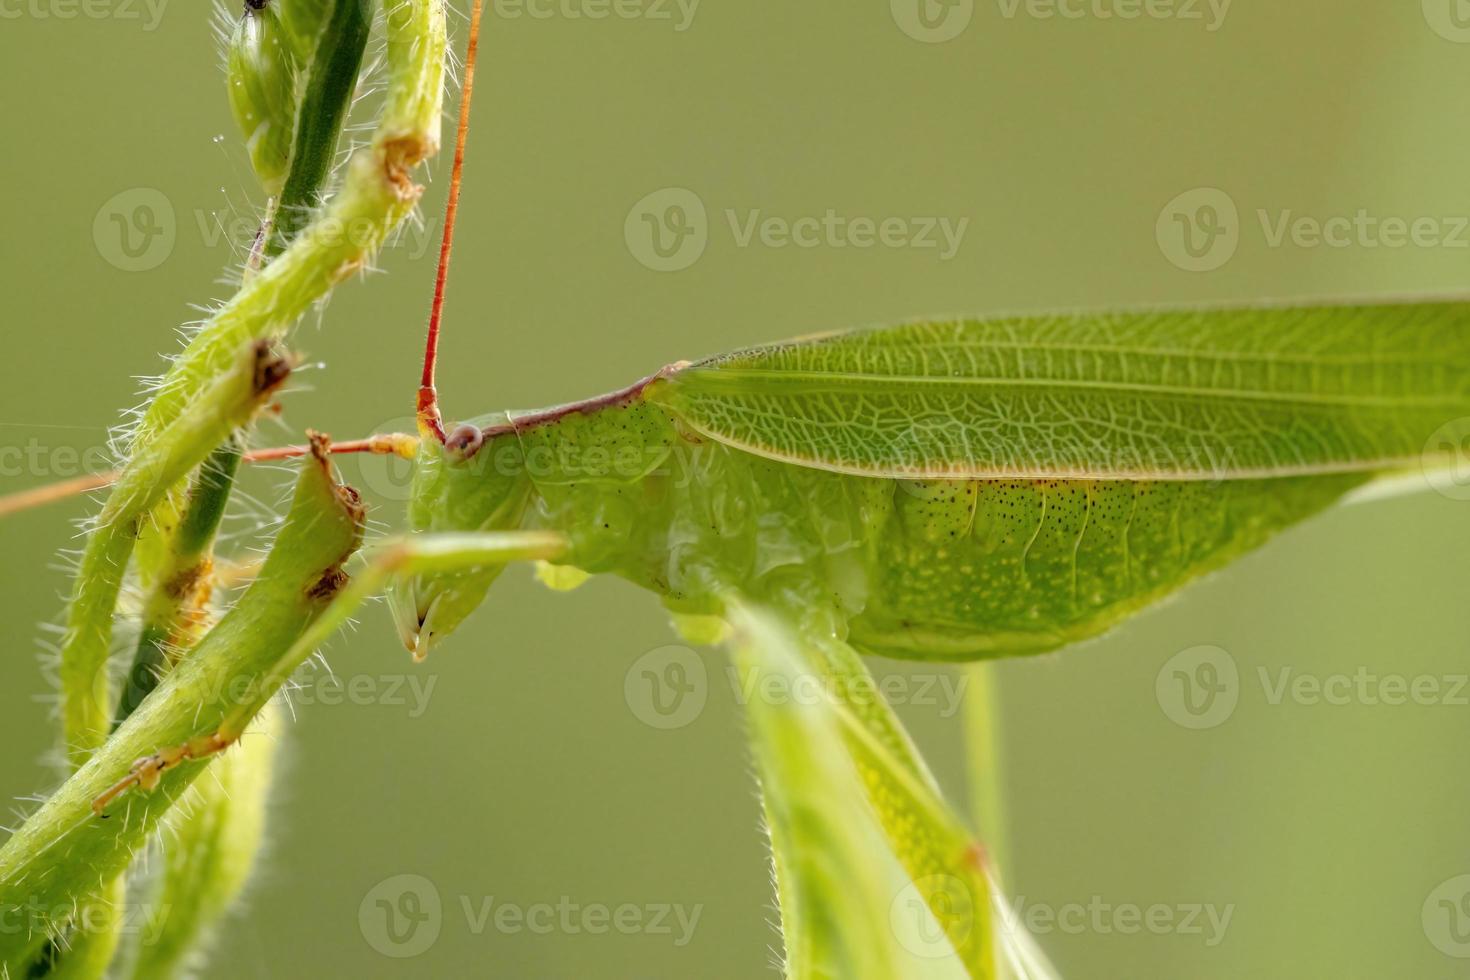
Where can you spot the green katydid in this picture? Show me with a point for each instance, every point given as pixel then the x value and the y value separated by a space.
pixel 944 490
pixel 961 489
pixel 947 490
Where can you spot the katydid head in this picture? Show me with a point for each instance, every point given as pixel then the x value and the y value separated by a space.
pixel 463 484
pixel 452 488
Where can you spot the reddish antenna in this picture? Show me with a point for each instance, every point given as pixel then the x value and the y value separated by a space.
pixel 430 421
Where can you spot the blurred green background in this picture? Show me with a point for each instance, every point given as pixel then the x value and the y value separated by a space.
pixel 1333 834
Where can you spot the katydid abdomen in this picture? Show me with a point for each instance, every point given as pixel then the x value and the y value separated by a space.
pixel 969 488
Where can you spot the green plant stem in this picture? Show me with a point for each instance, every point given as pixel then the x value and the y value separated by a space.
pixel 183 585
pixel 212 838
pixel 229 403
pixel 174 570
pixel 376 195
pixel 331 79
pixel 982 749
pixel 64 850
pixel 91 939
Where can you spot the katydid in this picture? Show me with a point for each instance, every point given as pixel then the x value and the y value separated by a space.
pixel 943 490
pixel 950 489
pixel 961 489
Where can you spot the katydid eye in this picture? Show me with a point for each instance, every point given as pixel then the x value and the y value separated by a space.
pixel 464 440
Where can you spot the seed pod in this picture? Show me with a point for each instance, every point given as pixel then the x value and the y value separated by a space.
pixel 262 70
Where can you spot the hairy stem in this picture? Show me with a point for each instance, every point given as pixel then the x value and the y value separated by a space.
pixel 331 80
pixel 229 403
pixel 64 851
pixel 174 613
pixel 376 195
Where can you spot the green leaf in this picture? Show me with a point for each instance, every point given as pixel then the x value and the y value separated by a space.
pixel 1181 395
pixel 833 900
pixel 944 862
